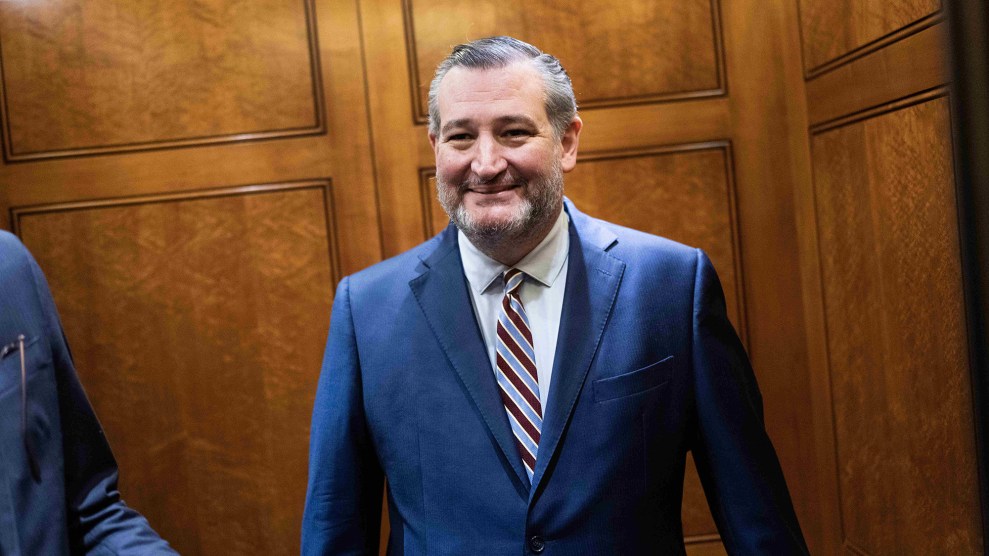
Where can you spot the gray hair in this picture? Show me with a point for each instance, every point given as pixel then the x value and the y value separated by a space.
pixel 498 52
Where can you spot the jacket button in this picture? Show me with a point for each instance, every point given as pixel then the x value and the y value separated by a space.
pixel 537 544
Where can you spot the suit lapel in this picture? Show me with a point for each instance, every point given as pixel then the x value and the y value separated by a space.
pixel 442 294
pixel 593 277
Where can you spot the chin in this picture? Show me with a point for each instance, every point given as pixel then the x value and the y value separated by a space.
pixel 497 216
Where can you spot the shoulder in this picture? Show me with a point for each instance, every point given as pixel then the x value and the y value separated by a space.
pixel 398 271
pixel 11 248
pixel 25 302
pixel 635 242
pixel 16 262
pixel 635 248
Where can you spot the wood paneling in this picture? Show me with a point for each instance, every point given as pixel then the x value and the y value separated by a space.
pixel 769 148
pixel 343 153
pixel 630 127
pixel 671 47
pixel 895 321
pixel 108 75
pixel 833 29
pixel 903 68
pixel 159 465
pixel 193 315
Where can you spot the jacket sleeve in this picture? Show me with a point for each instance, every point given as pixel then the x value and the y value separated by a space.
pixel 99 522
pixel 735 459
pixel 343 500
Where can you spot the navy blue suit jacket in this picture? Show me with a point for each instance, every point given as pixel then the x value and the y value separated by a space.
pixel 647 368
pixel 58 490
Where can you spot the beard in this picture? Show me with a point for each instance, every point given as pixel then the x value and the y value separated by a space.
pixel 540 205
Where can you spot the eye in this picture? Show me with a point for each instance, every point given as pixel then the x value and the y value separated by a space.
pixel 458 137
pixel 517 133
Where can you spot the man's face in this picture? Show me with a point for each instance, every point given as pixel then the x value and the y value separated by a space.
pixel 499 164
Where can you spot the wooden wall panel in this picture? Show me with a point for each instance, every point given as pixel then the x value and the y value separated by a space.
pixel 915 63
pixel 106 75
pixel 203 318
pixel 891 276
pixel 672 47
pixel 835 29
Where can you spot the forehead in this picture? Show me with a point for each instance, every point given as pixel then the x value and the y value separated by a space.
pixel 479 94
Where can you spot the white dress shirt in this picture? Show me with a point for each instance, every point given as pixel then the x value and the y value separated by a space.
pixel 541 293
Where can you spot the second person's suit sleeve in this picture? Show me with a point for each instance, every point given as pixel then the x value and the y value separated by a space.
pixel 99 522
pixel 735 459
pixel 343 501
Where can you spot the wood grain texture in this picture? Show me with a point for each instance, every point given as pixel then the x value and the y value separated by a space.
pixel 707 548
pixel 916 63
pixel 105 75
pixel 198 328
pixel 769 144
pixel 833 28
pixel 896 333
pixel 645 51
pixel 343 153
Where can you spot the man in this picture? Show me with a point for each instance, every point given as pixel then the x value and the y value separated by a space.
pixel 543 411
pixel 58 480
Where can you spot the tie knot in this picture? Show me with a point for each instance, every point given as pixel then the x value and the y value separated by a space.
pixel 513 281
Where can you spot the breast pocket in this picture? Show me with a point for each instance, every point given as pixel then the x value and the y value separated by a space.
pixel 636 382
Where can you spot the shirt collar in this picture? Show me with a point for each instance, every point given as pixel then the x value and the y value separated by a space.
pixel 543 263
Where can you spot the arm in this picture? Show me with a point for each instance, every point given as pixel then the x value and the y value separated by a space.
pixel 735 459
pixel 343 501
pixel 98 520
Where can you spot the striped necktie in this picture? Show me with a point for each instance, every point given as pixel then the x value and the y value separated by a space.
pixel 517 379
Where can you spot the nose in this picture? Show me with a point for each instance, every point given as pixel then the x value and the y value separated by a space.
pixel 489 160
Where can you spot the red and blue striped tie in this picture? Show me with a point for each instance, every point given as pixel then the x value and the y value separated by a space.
pixel 517 378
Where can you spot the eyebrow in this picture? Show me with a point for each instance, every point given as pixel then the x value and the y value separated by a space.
pixel 463 122
pixel 503 120
pixel 516 119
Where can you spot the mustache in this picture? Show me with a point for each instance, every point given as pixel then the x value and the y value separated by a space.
pixel 505 179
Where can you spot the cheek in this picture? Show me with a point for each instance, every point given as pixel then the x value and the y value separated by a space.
pixel 451 165
pixel 533 162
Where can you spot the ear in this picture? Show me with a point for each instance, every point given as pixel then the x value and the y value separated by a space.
pixel 568 154
pixel 432 140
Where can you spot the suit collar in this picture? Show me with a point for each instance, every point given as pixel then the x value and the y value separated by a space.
pixel 593 278
pixel 441 291
pixel 543 264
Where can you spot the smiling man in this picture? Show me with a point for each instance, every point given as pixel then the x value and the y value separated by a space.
pixel 530 380
pixel 499 159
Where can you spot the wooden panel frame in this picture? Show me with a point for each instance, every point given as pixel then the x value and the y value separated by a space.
pixel 318 195
pixel 10 155
pixel 721 90
pixel 873 45
pixel 857 117
pixel 325 186
pixel 968 21
pixel 896 72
